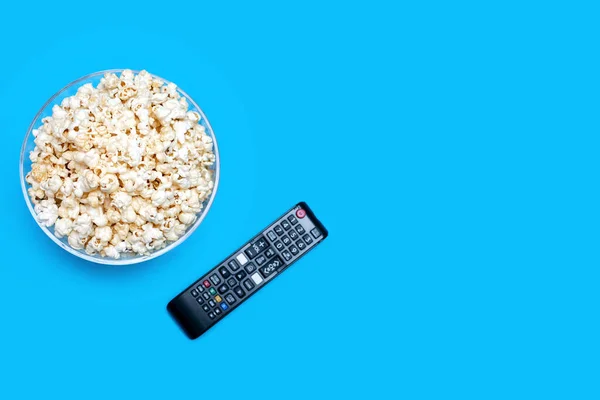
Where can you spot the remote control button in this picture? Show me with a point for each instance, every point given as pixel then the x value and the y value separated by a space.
pixel 211 315
pixel 259 245
pixel 224 272
pixel 239 291
pixel 278 230
pixel 241 259
pixel 272 236
pixel 240 275
pixel 286 225
pixel 230 299
pixel 206 308
pixel 293 235
pixel 231 282
pixel 278 245
pixel 233 265
pixel 316 233
pixel 260 260
pixel 249 268
pixel 212 291
pixel 286 240
pixel 257 278
pixel 214 278
pixel 200 300
pixel 223 288
pixel 206 283
pixel 271 266
pixel 294 250
pixel 195 293
pixel 301 245
pixel 270 252
pixel 218 311
pixel 211 303
pixel 300 213
pixel 206 295
pixel 287 255
pixel 218 299
pixel 200 288
pixel 300 229
pixel 224 306
pixel 307 238
pixel 248 284
pixel 292 220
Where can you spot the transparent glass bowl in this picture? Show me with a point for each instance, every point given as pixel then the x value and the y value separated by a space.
pixel 25 167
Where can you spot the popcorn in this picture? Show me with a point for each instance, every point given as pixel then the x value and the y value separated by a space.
pixel 76 241
pixel 112 252
pixel 104 233
pixel 121 168
pixel 121 200
pixel 47 212
pixel 83 225
pixel 187 218
pixel 109 183
pixel 63 227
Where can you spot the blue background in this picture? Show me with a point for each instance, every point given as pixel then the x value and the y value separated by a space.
pixel 451 150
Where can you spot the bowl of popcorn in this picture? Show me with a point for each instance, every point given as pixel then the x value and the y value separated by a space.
pixel 119 167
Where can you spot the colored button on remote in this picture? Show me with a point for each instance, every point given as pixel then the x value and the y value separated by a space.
pixel 300 213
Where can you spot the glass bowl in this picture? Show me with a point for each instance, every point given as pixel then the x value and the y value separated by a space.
pixel 25 167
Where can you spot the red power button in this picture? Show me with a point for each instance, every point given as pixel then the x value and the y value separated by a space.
pixel 300 213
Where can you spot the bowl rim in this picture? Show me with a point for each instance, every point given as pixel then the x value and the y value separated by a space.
pixel 107 260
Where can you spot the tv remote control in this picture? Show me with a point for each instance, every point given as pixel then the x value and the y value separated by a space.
pixel 247 270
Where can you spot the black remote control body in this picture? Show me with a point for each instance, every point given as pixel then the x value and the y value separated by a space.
pixel 247 270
